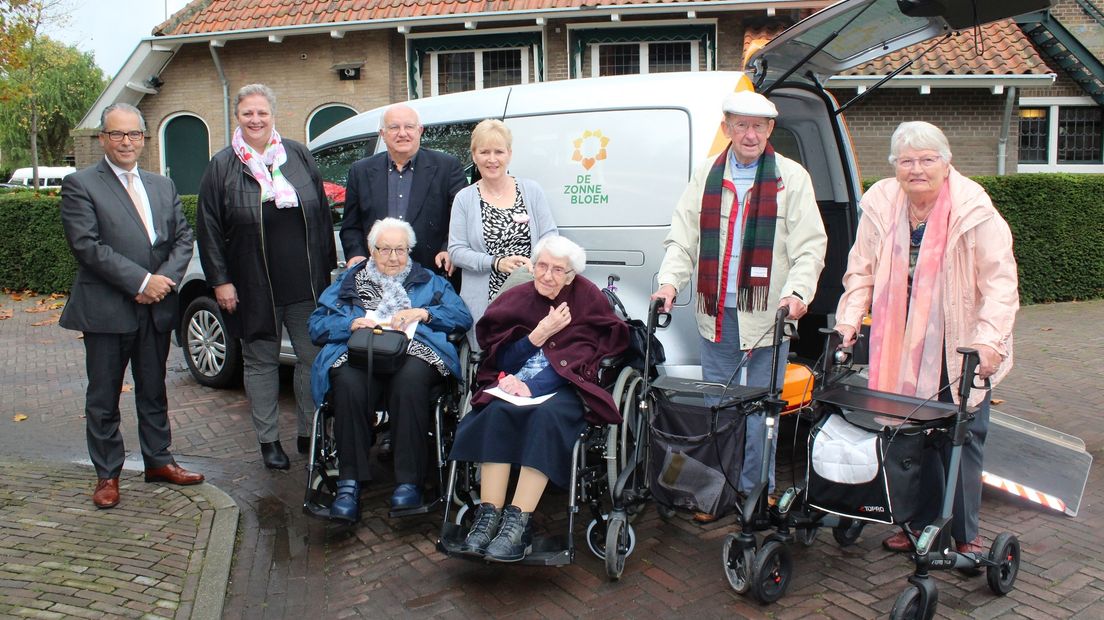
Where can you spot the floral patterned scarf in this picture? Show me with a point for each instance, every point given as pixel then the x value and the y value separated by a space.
pixel 906 337
pixel 273 184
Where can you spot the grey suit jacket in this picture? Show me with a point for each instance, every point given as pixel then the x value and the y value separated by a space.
pixel 114 253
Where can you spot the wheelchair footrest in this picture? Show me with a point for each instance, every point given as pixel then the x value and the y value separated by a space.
pixel 547 550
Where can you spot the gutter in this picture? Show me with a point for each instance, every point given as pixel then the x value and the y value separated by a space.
pixel 1006 125
pixel 225 90
pixel 998 82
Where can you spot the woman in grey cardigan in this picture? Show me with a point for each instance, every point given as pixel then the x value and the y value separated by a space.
pixel 496 221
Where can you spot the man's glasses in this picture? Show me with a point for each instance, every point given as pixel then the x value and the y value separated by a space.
pixel 557 272
pixel 117 136
pixel 742 127
pixel 409 128
pixel 391 251
pixel 925 162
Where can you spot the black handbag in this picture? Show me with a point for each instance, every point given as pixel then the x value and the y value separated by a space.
pixel 637 352
pixel 377 350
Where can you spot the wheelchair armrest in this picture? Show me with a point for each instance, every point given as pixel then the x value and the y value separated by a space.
pixel 457 336
pixel 613 361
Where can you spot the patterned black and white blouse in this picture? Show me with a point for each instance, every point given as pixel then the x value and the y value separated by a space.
pixel 370 296
pixel 506 233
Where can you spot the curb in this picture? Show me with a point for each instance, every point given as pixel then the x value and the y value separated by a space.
pixel 214 575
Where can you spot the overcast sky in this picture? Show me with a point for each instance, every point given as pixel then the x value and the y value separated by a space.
pixel 111 29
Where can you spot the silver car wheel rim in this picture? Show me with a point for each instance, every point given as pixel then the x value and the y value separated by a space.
pixel 206 343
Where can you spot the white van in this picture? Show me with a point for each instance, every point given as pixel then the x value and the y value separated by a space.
pixel 614 154
pixel 49 177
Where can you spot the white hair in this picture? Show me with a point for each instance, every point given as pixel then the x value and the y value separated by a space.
pixel 562 247
pixel 920 136
pixel 392 223
pixel 397 106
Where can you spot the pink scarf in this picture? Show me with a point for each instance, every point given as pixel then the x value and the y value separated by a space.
pixel 273 184
pixel 906 337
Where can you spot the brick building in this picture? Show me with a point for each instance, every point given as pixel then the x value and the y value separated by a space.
pixel 329 60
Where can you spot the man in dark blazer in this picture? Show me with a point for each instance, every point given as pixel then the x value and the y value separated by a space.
pixel 407 182
pixel 132 244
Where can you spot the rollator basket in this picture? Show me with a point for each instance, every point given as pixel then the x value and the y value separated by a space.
pixel 869 473
pixel 695 455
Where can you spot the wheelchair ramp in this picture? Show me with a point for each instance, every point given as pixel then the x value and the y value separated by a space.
pixel 1037 463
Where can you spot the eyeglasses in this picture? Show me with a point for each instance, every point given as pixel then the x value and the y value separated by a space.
pixel 742 127
pixel 409 128
pixel 117 136
pixel 557 272
pixel 925 162
pixel 392 251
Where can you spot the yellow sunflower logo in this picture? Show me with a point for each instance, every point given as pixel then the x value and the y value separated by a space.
pixel 590 148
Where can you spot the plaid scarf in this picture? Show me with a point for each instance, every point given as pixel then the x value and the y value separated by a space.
pixel 757 253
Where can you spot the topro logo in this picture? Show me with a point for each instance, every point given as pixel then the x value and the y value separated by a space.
pixel 872 509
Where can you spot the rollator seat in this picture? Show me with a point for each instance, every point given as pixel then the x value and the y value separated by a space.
pixel 887 404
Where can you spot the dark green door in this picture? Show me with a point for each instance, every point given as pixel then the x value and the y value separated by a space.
pixel 326 118
pixel 186 152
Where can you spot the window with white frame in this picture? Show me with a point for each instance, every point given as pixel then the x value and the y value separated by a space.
pixel 461 70
pixel 1061 134
pixel 634 50
pixel 645 57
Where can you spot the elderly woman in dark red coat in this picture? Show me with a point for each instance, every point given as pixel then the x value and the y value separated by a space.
pixel 541 338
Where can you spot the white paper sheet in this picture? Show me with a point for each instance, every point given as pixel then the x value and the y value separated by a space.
pixel 520 401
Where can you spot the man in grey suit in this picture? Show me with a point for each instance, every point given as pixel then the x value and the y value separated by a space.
pixel 127 231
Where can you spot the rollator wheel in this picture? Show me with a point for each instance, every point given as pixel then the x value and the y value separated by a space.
pixel 847 532
pixel 737 559
pixel 771 573
pixel 620 542
pixel 806 535
pixel 908 605
pixel 1005 554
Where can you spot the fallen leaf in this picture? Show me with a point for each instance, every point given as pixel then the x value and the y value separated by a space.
pixel 38 307
pixel 1047 329
pixel 19 417
pixel 16 297
pixel 50 320
pixel 6 313
pixel 29 293
pixel 57 295
pixel 57 305
pixel 996 401
pixel 127 388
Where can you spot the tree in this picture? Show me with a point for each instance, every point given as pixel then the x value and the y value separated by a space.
pixel 48 101
pixel 15 31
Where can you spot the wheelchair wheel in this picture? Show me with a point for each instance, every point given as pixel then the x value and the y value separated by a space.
pixel 737 558
pixel 771 573
pixel 910 606
pixel 1005 554
pixel 596 538
pixel 620 542
pixel 847 532
pixel 623 438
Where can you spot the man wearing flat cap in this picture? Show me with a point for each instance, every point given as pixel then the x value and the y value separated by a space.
pixel 748 223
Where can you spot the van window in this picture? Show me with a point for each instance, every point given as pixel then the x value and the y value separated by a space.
pixel 785 142
pixel 454 139
pixel 333 164
pixel 606 168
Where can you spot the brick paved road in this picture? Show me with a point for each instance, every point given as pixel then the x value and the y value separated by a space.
pixel 287 565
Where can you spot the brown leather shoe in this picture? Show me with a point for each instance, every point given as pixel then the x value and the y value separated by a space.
pixel 974 546
pixel 898 543
pixel 107 493
pixel 173 474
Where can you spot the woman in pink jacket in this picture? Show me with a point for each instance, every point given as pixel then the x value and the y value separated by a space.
pixel 933 264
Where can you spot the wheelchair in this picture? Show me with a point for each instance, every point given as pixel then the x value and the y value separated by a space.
pixel 599 456
pixel 322 465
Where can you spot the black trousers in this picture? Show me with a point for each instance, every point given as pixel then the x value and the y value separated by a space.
pixel 106 359
pixel 410 395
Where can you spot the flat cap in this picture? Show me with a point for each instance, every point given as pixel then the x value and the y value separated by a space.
pixel 748 103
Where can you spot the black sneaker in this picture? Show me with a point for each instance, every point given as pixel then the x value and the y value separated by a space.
pixel 515 537
pixel 487 519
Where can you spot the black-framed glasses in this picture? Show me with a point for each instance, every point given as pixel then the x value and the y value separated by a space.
pixel 117 136
pixel 392 251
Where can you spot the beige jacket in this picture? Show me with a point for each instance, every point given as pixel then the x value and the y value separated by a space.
pixel 980 283
pixel 799 246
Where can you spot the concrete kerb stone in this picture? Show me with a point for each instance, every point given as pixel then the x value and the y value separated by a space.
pixel 211 592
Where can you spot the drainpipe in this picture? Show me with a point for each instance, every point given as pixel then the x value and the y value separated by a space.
pixel 225 90
pixel 1006 125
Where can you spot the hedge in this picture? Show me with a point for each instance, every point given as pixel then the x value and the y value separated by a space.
pixel 1057 221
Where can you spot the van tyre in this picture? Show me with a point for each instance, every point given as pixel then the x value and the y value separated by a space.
pixel 213 358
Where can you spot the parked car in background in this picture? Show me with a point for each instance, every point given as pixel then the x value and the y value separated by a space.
pixel 49 177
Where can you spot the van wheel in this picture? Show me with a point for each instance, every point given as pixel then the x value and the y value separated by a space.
pixel 214 359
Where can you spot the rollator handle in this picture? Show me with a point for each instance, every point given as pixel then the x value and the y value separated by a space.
pixel 971 359
pixel 657 317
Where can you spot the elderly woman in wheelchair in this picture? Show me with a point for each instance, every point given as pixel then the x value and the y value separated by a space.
pixel 388 289
pixel 543 343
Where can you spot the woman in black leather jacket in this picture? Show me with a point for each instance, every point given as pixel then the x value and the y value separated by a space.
pixel 266 244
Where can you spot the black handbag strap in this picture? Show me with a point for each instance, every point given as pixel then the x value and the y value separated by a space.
pixel 371 350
